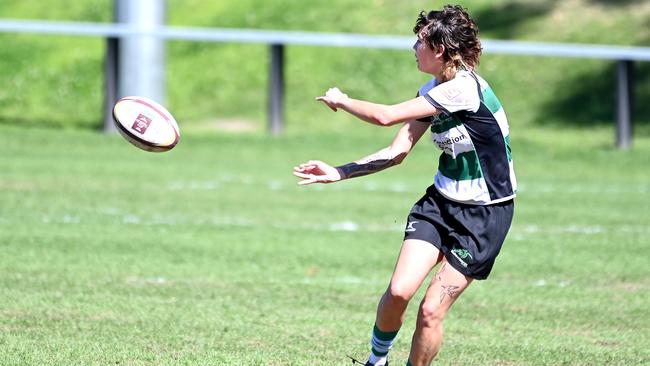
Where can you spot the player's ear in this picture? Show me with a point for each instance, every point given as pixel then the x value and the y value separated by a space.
pixel 439 50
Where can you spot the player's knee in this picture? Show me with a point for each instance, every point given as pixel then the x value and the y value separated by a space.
pixel 430 314
pixel 399 294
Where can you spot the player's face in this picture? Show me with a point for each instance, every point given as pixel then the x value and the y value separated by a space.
pixel 427 59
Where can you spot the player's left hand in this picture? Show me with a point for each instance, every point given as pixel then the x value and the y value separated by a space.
pixel 333 98
pixel 316 171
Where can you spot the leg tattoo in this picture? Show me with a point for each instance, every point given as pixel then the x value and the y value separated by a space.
pixel 441 271
pixel 450 290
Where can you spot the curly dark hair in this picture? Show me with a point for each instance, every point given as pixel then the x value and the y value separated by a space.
pixel 453 28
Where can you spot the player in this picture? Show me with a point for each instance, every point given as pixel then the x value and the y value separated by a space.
pixel 462 220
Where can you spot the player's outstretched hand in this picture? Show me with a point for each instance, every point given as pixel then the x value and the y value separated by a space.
pixel 333 98
pixel 316 171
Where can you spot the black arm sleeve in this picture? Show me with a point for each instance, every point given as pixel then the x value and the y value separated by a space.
pixel 353 170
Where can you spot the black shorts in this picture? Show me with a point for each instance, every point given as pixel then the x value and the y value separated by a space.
pixel 469 236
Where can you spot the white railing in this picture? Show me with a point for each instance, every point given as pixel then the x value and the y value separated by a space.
pixel 108 30
pixel 624 56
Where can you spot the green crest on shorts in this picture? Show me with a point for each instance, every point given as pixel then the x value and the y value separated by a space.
pixel 463 253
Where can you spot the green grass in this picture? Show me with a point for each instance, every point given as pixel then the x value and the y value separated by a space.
pixel 210 254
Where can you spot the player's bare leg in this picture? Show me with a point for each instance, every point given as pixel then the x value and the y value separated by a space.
pixel 446 285
pixel 415 261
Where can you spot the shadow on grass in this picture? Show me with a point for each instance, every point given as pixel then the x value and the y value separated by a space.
pixel 589 99
pixel 502 21
pixel 642 93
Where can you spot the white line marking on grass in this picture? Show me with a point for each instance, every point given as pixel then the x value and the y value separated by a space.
pixel 580 229
pixel 561 284
pixel 65 219
pixel 344 226
pixel 555 229
pixel 223 181
pixel 139 281
pixel 344 280
pixel 194 186
pixel 517 233
pixel 131 219
pixel 274 185
pixel 158 219
pixel 109 211
pixel 71 219
pixel 279 185
pixel 400 188
pixel 601 188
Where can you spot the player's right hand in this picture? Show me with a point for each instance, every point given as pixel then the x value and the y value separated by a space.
pixel 334 98
pixel 316 171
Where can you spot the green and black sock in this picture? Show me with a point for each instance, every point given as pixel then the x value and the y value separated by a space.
pixel 381 344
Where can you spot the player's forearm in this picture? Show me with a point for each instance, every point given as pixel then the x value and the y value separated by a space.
pixel 370 164
pixel 377 114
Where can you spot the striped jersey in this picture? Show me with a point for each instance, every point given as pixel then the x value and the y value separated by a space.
pixel 472 131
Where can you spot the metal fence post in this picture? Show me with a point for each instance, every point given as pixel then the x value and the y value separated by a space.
pixel 135 64
pixel 142 56
pixel 624 103
pixel 110 82
pixel 276 90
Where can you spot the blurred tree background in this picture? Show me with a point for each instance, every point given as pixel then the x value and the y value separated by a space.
pixel 58 81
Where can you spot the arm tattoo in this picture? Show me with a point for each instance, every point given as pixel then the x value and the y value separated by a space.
pixel 371 164
pixel 353 170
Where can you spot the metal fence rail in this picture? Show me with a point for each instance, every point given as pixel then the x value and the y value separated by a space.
pixel 277 40
pixel 108 30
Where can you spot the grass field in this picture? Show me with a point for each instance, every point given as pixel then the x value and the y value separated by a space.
pixel 211 255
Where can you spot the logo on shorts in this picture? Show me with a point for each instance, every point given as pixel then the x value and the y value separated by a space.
pixel 461 254
pixel 409 227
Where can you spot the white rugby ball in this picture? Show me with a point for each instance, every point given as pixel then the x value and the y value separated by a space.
pixel 146 124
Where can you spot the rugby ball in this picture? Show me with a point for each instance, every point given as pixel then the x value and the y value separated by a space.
pixel 146 124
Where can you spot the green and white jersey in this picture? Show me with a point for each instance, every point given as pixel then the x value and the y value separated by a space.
pixel 472 131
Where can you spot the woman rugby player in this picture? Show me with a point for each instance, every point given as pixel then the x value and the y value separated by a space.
pixel 462 220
